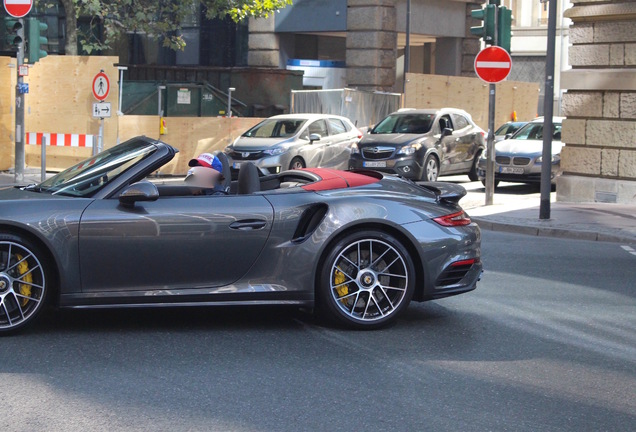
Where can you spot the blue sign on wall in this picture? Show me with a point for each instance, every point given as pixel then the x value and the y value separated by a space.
pixel 23 88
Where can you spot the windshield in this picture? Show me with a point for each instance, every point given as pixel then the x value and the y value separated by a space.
pixel 508 128
pixel 275 128
pixel 89 176
pixel 534 131
pixel 405 123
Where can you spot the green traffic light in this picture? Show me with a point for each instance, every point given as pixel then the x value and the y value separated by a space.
pixel 35 40
pixel 13 32
pixel 487 30
pixel 504 33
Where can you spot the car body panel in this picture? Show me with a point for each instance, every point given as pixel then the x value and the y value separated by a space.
pixel 232 249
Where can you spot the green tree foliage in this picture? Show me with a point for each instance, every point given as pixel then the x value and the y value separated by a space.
pixel 161 19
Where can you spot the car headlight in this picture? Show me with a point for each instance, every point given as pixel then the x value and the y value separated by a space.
pixel 229 149
pixel 483 155
pixel 275 151
pixel 409 149
pixel 554 159
pixel 354 148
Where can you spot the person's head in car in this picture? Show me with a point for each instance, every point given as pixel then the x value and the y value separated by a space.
pixel 206 171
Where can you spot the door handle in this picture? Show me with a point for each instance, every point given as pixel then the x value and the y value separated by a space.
pixel 248 224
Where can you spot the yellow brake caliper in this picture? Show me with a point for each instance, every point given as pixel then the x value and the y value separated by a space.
pixel 25 289
pixel 339 278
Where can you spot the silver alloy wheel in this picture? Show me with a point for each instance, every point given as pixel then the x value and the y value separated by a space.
pixel 369 280
pixel 22 285
pixel 431 169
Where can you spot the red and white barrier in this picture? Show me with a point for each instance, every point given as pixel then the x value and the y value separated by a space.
pixel 60 140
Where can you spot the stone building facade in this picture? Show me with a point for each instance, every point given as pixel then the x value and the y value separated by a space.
pixel 369 36
pixel 599 159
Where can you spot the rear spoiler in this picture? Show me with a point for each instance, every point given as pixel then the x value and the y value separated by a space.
pixel 447 192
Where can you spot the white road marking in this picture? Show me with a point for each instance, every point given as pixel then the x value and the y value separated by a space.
pixel 629 249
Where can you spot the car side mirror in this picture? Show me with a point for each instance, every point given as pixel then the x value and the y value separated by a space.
pixel 447 132
pixel 314 137
pixel 140 191
pixel 508 136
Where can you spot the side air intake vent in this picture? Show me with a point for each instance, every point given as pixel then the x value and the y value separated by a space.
pixel 309 221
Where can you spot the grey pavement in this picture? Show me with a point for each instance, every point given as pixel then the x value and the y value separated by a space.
pixel 515 209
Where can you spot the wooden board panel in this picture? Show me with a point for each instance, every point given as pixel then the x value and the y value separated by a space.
pixel 471 94
pixel 7 119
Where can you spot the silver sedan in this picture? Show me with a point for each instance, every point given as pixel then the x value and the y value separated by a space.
pixel 293 141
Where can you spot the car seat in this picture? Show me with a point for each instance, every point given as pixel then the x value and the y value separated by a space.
pixel 227 173
pixel 248 179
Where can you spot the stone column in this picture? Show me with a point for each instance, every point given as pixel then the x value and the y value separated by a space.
pixel 263 44
pixel 599 159
pixel 371 44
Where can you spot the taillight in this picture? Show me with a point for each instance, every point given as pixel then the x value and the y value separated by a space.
pixel 360 134
pixel 453 219
pixel 467 262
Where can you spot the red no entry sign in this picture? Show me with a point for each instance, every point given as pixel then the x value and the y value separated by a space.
pixel 493 64
pixel 18 8
pixel 101 86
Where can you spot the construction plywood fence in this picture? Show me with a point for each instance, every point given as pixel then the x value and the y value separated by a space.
pixel 471 95
pixel 59 102
pixel 190 135
pixel 7 116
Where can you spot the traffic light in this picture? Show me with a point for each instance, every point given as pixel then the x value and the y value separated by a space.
pixel 13 33
pixel 486 31
pixel 503 30
pixel 35 40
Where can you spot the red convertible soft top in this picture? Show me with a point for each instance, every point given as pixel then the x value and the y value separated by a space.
pixel 336 179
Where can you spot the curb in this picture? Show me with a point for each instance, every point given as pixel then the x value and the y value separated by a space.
pixel 551 232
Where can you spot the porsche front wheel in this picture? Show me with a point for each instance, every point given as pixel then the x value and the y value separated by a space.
pixel 23 283
pixel 367 280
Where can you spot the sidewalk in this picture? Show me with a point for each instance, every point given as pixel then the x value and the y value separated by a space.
pixel 583 221
pixel 31 175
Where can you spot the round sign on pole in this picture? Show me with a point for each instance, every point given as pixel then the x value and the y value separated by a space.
pixel 101 86
pixel 493 64
pixel 18 8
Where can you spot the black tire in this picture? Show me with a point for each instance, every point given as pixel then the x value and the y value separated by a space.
pixel 472 174
pixel 496 182
pixel 24 283
pixel 431 168
pixel 297 163
pixel 379 291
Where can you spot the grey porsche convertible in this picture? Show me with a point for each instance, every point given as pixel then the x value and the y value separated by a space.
pixel 356 246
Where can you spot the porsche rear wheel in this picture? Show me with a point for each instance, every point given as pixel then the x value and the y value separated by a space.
pixel 23 283
pixel 367 280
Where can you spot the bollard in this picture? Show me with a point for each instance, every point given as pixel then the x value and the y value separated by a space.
pixel 43 160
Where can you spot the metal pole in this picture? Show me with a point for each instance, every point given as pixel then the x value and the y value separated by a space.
pixel 229 101
pixel 19 111
pixel 490 144
pixel 98 149
pixel 407 45
pixel 121 87
pixel 548 106
pixel 43 160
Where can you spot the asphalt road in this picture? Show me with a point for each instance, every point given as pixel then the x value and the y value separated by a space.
pixel 546 343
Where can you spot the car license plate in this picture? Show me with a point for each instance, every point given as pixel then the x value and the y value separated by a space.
pixel 510 170
pixel 381 164
pixel 236 165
